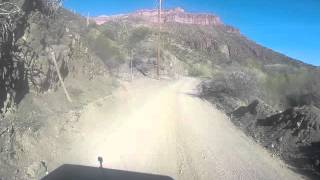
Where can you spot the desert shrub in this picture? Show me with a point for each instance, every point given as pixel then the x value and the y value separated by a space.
pixel 114 30
pixel 276 83
pixel 253 63
pixel 111 34
pixel 285 83
pixel 49 7
pixel 11 65
pixel 9 16
pixel 137 35
pixel 200 70
pixel 239 83
pixel 288 88
pixel 93 26
pixel 108 52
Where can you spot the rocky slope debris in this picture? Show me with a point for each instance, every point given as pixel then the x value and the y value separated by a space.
pixel 292 134
pixel 36 29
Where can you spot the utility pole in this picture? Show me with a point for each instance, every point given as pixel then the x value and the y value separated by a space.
pixel 88 19
pixel 53 57
pixel 159 38
pixel 131 64
pixel 130 52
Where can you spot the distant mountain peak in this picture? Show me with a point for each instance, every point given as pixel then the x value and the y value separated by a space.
pixel 175 15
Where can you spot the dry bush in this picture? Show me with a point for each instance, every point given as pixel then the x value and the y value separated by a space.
pixel 239 83
pixel 49 7
pixel 10 69
pixel 9 13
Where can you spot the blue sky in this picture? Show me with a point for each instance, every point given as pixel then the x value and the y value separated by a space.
pixel 291 27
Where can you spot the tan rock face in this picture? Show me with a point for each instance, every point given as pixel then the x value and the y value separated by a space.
pixel 224 49
pixel 176 15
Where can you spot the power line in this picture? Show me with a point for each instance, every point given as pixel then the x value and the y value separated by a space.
pixel 159 37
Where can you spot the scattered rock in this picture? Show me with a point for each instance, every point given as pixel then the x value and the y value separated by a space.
pixel 37 170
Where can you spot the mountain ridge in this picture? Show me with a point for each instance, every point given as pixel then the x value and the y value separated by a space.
pixel 174 15
pixel 181 16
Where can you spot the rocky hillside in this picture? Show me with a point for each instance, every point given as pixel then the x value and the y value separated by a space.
pixel 35 33
pixel 31 97
pixel 177 15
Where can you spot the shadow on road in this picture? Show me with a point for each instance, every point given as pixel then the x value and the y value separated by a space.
pixel 77 172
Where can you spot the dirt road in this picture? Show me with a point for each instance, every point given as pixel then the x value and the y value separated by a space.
pixel 162 128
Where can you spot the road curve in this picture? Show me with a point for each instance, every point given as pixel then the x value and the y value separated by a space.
pixel 160 127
